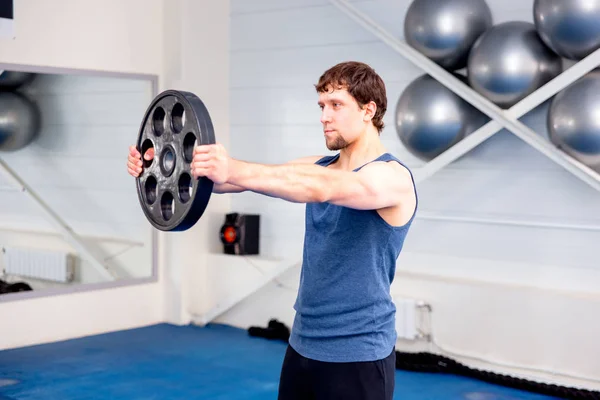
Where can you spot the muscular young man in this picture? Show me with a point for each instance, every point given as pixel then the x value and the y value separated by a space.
pixel 360 204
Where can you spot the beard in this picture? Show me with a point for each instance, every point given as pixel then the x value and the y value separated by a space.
pixel 337 143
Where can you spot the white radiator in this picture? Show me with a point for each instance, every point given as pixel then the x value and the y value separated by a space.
pixel 407 313
pixel 56 266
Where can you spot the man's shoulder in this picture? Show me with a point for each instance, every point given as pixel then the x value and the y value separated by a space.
pixel 391 165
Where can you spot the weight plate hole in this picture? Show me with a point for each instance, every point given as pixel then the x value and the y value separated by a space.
pixel 150 189
pixel 158 121
pixel 185 187
pixel 189 142
pixel 147 145
pixel 167 205
pixel 167 161
pixel 177 118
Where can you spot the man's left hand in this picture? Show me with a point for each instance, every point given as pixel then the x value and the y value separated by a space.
pixel 211 161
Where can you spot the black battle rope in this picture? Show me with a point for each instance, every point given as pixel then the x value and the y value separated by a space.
pixel 428 362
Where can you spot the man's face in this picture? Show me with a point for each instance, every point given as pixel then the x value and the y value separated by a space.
pixel 342 118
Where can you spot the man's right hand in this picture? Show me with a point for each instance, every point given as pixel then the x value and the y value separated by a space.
pixel 134 160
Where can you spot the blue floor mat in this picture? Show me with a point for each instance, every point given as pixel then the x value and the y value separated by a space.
pixel 187 362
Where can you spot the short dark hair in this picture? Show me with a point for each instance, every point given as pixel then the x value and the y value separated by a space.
pixel 361 81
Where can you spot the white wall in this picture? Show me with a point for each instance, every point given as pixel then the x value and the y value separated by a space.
pixel 503 293
pixel 185 44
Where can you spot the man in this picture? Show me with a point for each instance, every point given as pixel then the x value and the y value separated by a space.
pixel 360 204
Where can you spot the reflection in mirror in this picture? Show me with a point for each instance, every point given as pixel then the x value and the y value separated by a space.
pixel 69 212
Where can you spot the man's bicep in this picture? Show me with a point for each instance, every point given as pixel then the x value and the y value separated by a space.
pixel 377 185
pixel 393 179
pixel 387 179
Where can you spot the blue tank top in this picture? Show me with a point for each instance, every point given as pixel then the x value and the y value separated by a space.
pixel 344 310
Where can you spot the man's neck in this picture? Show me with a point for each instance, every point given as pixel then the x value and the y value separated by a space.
pixel 365 149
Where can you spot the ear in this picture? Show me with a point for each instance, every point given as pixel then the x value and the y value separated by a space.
pixel 370 109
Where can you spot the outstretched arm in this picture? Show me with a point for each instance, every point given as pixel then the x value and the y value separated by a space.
pixel 377 185
pixel 229 188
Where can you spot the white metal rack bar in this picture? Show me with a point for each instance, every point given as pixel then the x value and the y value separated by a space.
pixel 517 111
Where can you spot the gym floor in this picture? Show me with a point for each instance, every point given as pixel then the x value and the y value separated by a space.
pixel 187 362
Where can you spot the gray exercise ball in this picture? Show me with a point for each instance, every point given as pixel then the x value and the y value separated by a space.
pixel 509 62
pixel 574 120
pixel 430 118
pixel 19 121
pixel 11 80
pixel 444 31
pixel 571 28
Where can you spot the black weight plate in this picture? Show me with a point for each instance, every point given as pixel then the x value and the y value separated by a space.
pixel 174 123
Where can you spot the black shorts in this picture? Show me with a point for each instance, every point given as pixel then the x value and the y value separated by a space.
pixel 306 379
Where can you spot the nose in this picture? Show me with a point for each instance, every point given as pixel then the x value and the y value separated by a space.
pixel 325 116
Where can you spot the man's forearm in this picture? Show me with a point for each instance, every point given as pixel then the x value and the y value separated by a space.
pixel 300 183
pixel 227 188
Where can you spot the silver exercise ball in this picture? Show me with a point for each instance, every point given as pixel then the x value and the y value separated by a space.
pixel 509 62
pixel 444 31
pixel 430 118
pixel 11 80
pixel 574 120
pixel 571 28
pixel 19 121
